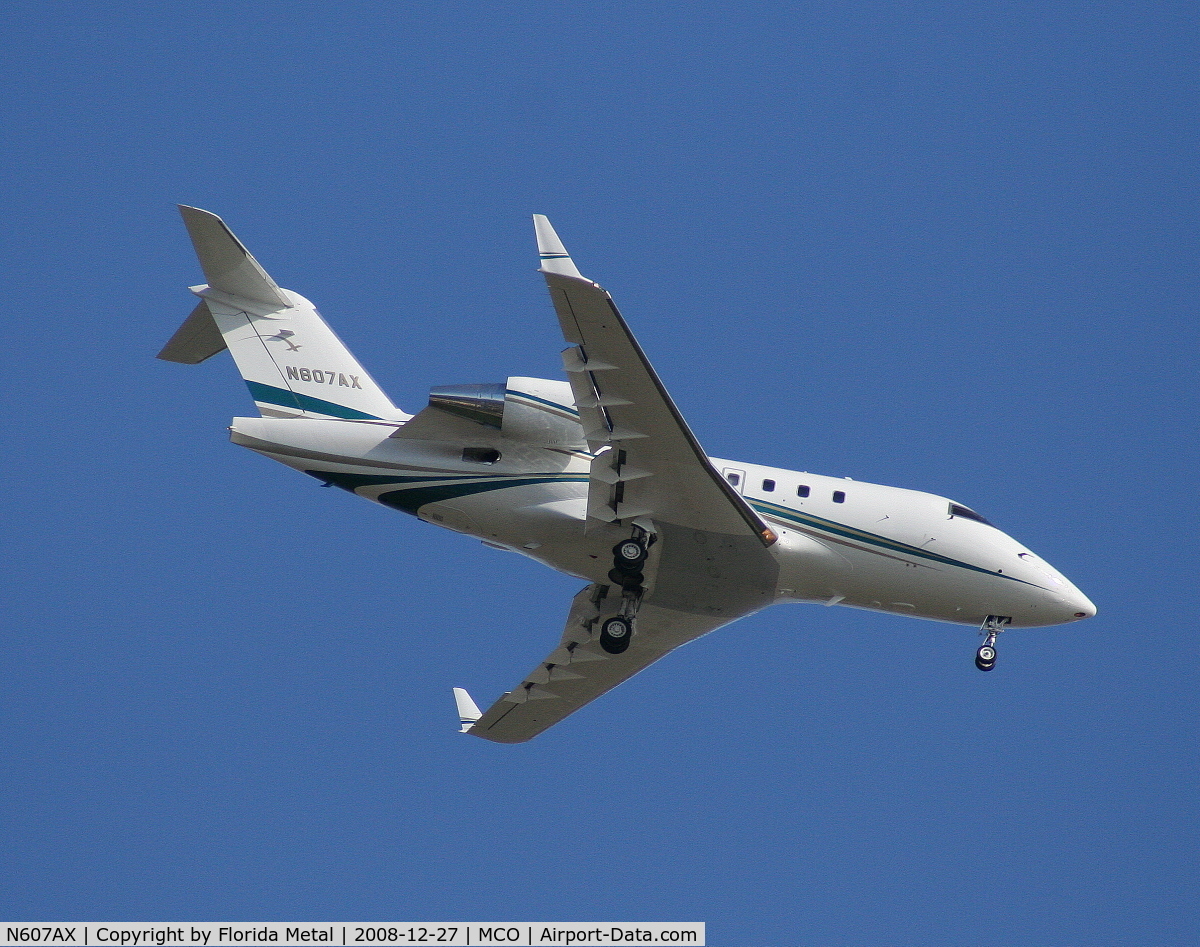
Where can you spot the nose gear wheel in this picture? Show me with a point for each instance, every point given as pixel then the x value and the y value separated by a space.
pixel 985 657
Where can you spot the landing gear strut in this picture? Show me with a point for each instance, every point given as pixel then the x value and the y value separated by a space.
pixel 985 657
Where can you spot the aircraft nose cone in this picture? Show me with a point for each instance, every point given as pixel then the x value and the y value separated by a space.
pixel 1072 605
pixel 1061 600
pixel 1081 606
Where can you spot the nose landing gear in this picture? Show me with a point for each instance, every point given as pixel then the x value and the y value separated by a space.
pixel 985 657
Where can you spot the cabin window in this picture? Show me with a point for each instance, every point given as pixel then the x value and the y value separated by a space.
pixel 802 491
pixel 966 513
pixel 839 496
pixel 733 478
pixel 769 486
pixel 480 455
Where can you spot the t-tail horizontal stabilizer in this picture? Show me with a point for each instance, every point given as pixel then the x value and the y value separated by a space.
pixel 227 264
pixel 468 712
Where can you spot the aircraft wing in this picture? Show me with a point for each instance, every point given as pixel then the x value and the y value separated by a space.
pixel 648 463
pixel 710 564
pixel 579 670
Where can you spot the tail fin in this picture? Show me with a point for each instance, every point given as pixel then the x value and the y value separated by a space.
pixel 291 360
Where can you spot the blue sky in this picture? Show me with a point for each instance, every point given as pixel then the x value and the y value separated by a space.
pixel 942 246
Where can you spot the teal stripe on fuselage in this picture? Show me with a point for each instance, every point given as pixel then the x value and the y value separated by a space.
pixel 832 527
pixel 290 399
pixel 412 496
pixel 418 490
pixel 411 499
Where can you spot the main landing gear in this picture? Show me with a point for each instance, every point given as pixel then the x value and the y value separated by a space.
pixel 985 657
pixel 615 633
pixel 629 556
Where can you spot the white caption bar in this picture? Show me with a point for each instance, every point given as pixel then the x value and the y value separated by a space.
pixel 356 934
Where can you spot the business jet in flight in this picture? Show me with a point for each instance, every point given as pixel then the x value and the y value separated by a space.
pixel 600 477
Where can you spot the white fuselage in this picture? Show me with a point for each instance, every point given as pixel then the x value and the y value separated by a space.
pixel 599 476
pixel 840 541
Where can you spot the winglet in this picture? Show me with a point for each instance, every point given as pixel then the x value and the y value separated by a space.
pixel 555 258
pixel 468 713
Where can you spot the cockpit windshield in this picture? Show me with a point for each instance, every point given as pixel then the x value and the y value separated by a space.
pixel 966 513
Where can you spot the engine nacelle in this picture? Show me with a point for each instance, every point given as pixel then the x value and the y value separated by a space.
pixel 534 410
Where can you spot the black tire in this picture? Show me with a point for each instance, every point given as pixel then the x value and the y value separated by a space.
pixel 629 554
pixel 627 580
pixel 615 633
pixel 985 658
